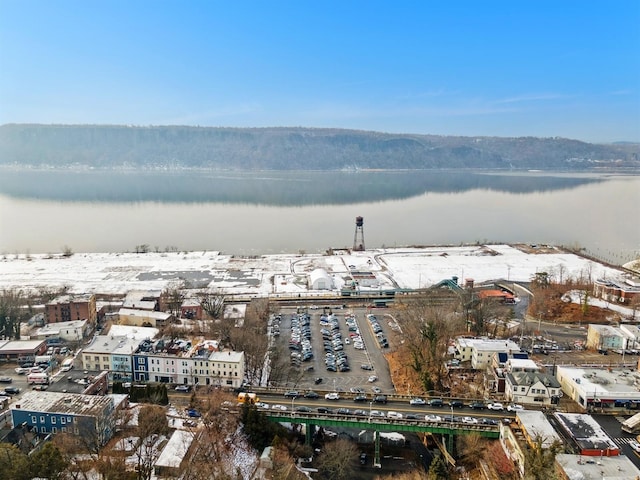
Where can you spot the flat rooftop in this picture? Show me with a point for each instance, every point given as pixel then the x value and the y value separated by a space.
pixel 55 402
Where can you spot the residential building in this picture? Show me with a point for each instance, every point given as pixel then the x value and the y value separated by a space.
pixel 176 361
pixel 66 308
pixel 480 351
pixel 112 353
pixel 532 388
pixel 91 416
pixel 605 337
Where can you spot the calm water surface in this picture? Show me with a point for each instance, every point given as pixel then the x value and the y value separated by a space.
pixel 253 213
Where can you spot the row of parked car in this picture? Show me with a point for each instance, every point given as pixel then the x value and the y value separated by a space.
pixel 300 343
pixel 336 359
pixel 378 331
pixel 477 405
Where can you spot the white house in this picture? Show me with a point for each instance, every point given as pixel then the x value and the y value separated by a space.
pixel 532 388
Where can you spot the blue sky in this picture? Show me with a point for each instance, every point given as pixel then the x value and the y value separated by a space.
pixel 503 68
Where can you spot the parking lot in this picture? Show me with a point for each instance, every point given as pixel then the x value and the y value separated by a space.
pixel 330 349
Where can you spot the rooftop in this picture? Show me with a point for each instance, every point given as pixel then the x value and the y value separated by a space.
pixel 601 381
pixel 577 467
pixel 585 431
pixel 229 356
pixel 54 402
pixel 112 344
pixel 535 424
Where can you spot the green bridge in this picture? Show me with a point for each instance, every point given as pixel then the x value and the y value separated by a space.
pixel 379 424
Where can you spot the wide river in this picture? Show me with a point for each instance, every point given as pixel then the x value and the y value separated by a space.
pixel 289 212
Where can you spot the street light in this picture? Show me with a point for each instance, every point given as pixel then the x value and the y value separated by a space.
pixel 370 405
pixel 293 399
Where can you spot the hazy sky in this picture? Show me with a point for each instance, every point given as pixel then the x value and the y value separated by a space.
pixel 504 68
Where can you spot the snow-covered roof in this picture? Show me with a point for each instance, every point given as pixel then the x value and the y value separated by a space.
pixel 585 431
pixel 54 328
pixel 175 449
pixel 537 426
pixel 228 356
pixel 133 332
pixel 131 312
pixel 110 344
pixel 576 467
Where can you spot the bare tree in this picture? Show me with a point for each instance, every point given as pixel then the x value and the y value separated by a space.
pixel 152 425
pixel 337 460
pixel 174 297
pixel 427 329
pixel 213 303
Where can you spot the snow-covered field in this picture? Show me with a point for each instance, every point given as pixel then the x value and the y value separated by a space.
pixel 117 273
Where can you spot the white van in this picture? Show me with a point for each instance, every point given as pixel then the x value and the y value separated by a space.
pixel 67 365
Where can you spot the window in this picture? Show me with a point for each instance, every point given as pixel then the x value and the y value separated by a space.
pixel 54 430
pixel 43 429
pixel 41 418
pixel 69 420
pixel 64 429
pixel 34 419
pixel 53 419
pixel 63 420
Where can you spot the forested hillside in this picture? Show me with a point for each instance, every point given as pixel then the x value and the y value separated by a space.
pixel 294 149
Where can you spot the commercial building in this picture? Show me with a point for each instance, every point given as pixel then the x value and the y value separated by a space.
pixel 587 435
pixel 22 350
pixel 531 429
pixel 73 331
pixel 599 388
pixel 143 318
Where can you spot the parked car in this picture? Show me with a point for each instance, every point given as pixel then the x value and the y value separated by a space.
pixel 456 403
pixel 372 379
pixel 324 410
pixel 363 459
pixel 477 405
pixel 433 418
pixel 311 394
pixel 291 394
pixel 436 402
pixel 183 388
pixel 360 398
pixel 377 413
pixel 470 420
pixel 514 407
pixel 12 390
pixel 417 401
pixel 332 396
pixel 366 367
pixel 318 380
pixel 396 415
pixel 303 409
pixel 495 406
pixel 380 399
pixel 6 379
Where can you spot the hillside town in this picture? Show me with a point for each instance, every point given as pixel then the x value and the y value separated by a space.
pixel 526 352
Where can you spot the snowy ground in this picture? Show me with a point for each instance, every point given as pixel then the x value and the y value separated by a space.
pixel 107 273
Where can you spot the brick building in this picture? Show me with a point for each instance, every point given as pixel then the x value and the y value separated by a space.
pixel 67 308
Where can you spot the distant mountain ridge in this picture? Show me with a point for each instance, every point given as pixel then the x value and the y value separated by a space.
pixel 283 148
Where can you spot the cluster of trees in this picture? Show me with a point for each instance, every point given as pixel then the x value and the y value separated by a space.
pixel 155 393
pixel 292 149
